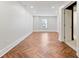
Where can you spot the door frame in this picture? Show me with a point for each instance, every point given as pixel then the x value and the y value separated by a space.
pixel 70 7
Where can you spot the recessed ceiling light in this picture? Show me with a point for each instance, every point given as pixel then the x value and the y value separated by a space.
pixel 52 7
pixel 31 6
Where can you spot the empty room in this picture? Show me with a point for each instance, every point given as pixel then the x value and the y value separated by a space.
pixel 39 29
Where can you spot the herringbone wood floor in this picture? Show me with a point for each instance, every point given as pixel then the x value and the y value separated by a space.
pixel 41 45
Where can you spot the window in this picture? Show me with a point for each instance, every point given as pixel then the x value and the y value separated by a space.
pixel 44 23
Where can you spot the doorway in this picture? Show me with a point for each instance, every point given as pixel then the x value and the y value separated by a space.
pixel 70 25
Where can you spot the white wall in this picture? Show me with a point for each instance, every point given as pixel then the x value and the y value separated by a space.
pixel 15 22
pixel 41 13
pixel 75 22
pixel 60 22
pixel 78 28
pixel 51 26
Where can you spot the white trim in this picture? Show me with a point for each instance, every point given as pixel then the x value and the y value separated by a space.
pixel 77 52
pixel 44 31
pixel 9 47
pixel 70 3
pixel 77 47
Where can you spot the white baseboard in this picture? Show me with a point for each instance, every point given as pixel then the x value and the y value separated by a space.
pixel 78 54
pixel 77 51
pixel 77 41
pixel 60 40
pixel 9 47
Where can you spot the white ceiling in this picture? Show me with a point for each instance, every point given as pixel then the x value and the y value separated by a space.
pixel 43 8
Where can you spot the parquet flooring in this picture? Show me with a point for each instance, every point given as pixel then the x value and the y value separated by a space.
pixel 41 45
